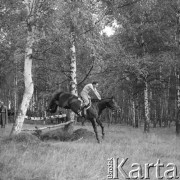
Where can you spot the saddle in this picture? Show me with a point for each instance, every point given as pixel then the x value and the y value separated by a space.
pixel 83 106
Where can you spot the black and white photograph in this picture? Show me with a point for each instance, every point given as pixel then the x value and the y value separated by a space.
pixel 89 89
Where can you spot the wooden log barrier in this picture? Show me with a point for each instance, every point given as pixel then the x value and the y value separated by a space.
pixel 44 118
pixel 49 127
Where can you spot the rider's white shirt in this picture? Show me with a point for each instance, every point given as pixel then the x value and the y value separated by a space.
pixel 88 88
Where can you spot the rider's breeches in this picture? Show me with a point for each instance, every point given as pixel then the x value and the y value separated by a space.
pixel 85 98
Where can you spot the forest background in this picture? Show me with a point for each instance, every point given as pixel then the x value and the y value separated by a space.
pixel 138 64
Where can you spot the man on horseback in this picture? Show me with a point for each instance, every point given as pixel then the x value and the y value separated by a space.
pixel 69 101
pixel 91 87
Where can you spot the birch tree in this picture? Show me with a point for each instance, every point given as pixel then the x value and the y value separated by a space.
pixel 178 71
pixel 77 20
pixel 28 82
pixel 73 79
pixel 146 106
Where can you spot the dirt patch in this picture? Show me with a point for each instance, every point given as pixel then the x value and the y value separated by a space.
pixel 82 133
pixel 58 134
pixel 62 134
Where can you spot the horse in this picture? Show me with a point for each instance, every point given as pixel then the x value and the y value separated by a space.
pixel 70 101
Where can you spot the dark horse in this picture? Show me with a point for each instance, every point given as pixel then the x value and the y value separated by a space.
pixel 69 101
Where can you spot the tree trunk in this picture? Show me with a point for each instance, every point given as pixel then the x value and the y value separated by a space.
pixel 160 101
pixel 178 106
pixel 177 75
pixel 29 86
pixel 133 112
pixel 146 105
pixel 15 88
pixel 73 81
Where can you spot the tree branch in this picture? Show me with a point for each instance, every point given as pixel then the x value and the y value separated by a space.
pixel 105 13
pixel 98 21
pixel 86 75
pixel 62 82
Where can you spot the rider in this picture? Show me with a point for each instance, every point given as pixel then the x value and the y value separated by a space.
pixel 91 87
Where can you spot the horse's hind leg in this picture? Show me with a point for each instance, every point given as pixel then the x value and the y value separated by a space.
pixel 93 121
pixel 102 127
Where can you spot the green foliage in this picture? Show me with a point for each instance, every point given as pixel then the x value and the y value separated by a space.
pixel 143 48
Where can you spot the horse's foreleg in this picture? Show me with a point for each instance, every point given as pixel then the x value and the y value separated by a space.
pixel 83 121
pixel 93 121
pixel 102 127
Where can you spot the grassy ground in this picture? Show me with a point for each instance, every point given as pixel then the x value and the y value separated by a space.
pixel 32 159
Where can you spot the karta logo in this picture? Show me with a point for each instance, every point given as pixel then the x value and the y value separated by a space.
pixel 116 170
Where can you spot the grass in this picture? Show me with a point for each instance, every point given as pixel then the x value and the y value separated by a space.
pixel 31 159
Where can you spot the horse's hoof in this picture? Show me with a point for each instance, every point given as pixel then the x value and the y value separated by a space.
pixel 99 142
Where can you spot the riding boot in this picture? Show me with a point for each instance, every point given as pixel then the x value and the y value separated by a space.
pixel 79 113
pixel 84 111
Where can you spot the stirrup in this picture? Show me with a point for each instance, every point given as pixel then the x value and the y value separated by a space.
pixel 80 113
pixel 85 111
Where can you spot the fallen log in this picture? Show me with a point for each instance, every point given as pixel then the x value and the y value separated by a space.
pixel 49 127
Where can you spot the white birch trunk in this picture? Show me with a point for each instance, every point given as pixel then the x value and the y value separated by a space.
pixel 15 92
pixel 177 74
pixel 134 113
pixel 73 82
pixel 178 91
pixel 146 105
pixel 178 106
pixel 29 86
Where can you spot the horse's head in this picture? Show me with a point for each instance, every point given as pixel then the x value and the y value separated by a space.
pixel 52 107
pixel 112 104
